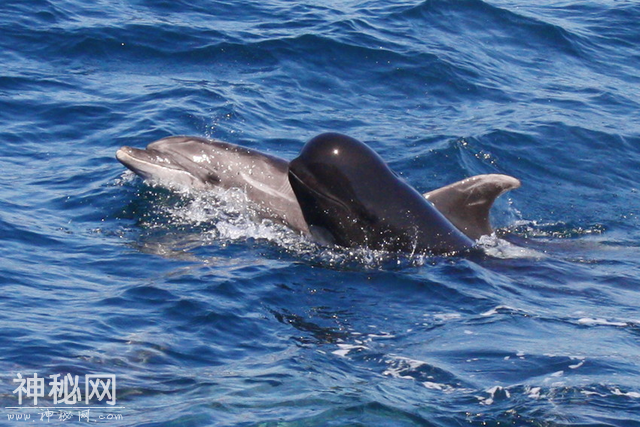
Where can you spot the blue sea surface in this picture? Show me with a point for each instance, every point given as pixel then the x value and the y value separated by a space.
pixel 208 317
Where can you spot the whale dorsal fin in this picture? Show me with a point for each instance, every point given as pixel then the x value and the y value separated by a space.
pixel 467 203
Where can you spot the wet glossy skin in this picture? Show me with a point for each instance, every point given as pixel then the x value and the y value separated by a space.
pixel 349 195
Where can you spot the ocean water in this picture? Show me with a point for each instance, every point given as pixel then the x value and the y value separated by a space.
pixel 209 318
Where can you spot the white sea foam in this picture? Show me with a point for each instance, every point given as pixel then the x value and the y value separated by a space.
pixel 500 248
pixel 587 321
pixel 502 309
pixel 398 366
pixel 438 386
pixel 444 317
pixel 345 349
pixel 632 394
pixel 495 393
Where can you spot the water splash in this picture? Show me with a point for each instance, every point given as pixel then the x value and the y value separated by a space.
pixel 222 217
pixel 496 247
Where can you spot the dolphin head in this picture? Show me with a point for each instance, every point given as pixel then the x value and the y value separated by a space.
pixel 175 161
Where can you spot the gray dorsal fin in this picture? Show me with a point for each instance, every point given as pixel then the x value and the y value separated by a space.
pixel 467 203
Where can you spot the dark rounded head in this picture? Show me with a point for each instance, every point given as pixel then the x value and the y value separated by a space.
pixel 340 151
pixel 348 192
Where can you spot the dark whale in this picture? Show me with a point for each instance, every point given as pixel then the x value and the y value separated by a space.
pixel 461 212
pixel 349 194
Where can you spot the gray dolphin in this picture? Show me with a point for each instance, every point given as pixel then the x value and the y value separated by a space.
pixel 194 162
pixel 461 209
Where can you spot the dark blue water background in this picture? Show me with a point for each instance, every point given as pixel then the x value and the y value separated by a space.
pixel 209 318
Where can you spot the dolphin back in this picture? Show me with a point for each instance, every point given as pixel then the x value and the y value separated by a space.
pixel 467 203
